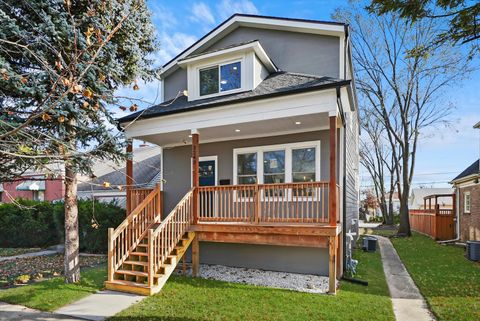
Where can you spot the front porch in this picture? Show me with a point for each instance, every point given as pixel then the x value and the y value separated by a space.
pixel 272 188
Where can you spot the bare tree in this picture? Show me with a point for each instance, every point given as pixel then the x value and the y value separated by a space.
pixel 401 82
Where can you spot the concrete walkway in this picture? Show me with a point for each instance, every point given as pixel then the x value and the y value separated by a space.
pixel 101 305
pixel 13 312
pixel 32 254
pixel 408 303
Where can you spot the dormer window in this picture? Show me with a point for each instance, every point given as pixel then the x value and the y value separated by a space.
pixel 220 78
pixel 230 70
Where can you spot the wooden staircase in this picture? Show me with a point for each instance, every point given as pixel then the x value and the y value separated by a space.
pixel 143 252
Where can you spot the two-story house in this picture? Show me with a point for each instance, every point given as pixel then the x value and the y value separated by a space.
pixel 259 135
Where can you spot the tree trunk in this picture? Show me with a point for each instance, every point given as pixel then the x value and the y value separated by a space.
pixel 389 220
pixel 404 227
pixel 72 264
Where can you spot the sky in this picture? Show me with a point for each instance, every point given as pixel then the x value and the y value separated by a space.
pixel 442 154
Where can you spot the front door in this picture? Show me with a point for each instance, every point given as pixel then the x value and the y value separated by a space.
pixel 206 169
pixel 207 177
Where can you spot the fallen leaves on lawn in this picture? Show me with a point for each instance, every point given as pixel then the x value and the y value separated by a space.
pixel 35 268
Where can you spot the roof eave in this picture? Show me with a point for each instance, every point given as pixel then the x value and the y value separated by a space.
pixel 338 84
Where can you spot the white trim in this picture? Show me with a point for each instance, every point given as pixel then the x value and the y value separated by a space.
pixel 194 73
pixel 273 108
pixel 239 137
pixel 465 196
pixel 161 168
pixel 288 158
pixel 202 159
pixel 254 46
pixel 264 23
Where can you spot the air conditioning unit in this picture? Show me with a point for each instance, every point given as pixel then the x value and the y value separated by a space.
pixel 369 243
pixel 473 250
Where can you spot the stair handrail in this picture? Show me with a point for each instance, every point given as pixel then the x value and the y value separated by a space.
pixel 124 239
pixel 166 236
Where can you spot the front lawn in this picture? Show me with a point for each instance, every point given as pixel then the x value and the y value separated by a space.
pixel 52 294
pixel 8 251
pixel 185 298
pixel 449 282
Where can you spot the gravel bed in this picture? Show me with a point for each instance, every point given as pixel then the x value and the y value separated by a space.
pixel 282 280
pixel 25 270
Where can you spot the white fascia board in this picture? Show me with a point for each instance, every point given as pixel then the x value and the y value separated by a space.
pixel 254 46
pixel 265 23
pixel 257 110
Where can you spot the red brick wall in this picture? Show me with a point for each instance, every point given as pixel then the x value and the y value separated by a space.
pixel 54 190
pixel 470 222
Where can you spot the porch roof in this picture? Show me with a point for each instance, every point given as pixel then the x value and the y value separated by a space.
pixel 277 84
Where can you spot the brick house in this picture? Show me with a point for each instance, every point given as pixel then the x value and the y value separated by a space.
pixel 467 189
pixel 33 186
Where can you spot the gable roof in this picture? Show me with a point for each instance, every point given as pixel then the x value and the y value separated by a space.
pixel 145 174
pixel 277 84
pixel 272 22
pixel 470 170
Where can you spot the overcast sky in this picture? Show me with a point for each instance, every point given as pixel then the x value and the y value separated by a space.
pixel 442 155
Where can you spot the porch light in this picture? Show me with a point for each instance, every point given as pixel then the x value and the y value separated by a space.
pixel 237 130
pixel 223 82
pixel 298 123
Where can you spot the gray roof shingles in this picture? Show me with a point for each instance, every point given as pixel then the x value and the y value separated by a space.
pixel 470 170
pixel 144 174
pixel 276 84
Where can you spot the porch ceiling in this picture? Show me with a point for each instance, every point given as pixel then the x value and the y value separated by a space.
pixel 242 130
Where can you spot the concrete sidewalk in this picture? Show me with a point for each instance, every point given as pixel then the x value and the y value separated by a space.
pixel 32 254
pixel 100 305
pixel 13 312
pixel 408 303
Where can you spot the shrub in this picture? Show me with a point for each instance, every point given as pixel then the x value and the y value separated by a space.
pixel 39 224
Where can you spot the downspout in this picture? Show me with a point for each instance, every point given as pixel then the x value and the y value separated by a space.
pixel 344 182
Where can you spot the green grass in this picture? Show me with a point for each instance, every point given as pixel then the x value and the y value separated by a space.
pixel 54 293
pixel 190 299
pixel 8 251
pixel 449 282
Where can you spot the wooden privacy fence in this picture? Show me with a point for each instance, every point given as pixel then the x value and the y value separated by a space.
pixel 436 223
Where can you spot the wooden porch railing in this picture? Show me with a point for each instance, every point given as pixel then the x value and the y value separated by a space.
pixel 262 203
pixel 128 234
pixel 437 223
pixel 166 236
pixel 137 195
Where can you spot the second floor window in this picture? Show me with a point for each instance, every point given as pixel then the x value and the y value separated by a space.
pixel 220 78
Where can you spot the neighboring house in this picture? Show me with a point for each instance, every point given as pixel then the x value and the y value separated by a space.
pixel 467 190
pixel 418 195
pixel 146 168
pixel 32 186
pixel 259 135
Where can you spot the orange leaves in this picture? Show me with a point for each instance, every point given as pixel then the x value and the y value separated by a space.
pixel 46 117
pixel 61 119
pixel 135 87
pixel 24 80
pixel 76 89
pixel 102 77
pixel 106 184
pixel 123 108
pixel 133 108
pixel 85 104
pixel 88 93
pixel 65 82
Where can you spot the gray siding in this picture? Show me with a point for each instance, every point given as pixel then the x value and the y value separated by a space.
pixel 351 172
pixel 174 83
pixel 292 259
pixel 290 51
pixel 177 160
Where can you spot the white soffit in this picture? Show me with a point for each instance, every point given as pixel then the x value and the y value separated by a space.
pixel 266 109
